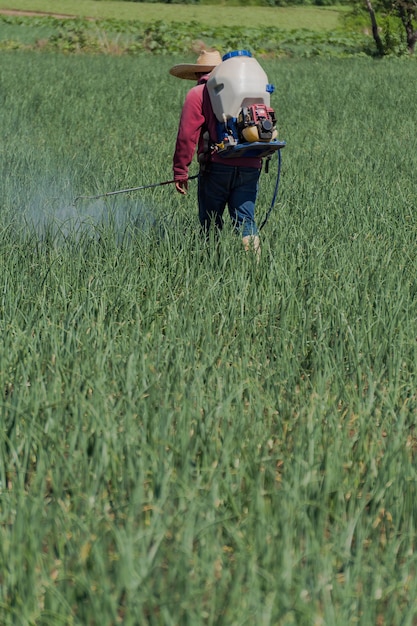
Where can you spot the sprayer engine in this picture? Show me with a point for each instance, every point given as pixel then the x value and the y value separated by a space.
pixel 256 122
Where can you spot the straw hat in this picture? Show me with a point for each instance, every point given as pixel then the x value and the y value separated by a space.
pixel 206 62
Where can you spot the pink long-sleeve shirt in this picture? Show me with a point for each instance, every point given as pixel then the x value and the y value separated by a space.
pixel 197 117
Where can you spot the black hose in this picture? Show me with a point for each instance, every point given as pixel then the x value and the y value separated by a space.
pixel 275 194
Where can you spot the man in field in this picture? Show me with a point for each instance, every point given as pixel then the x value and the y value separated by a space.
pixel 233 181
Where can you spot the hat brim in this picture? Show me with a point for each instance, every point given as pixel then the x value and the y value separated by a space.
pixel 190 71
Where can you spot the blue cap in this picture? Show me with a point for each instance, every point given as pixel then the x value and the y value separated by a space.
pixel 236 53
pixel 270 88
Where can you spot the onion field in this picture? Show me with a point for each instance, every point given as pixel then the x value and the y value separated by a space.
pixel 189 437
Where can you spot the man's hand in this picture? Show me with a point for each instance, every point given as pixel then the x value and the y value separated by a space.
pixel 182 186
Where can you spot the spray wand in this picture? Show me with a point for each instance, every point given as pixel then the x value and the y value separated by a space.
pixel 170 182
pixel 113 193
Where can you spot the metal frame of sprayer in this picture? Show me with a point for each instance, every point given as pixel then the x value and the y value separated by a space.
pixel 256 120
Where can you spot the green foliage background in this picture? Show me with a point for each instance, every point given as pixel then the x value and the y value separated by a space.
pixel 159 37
pixel 189 437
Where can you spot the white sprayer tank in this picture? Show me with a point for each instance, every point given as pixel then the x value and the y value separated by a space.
pixel 237 82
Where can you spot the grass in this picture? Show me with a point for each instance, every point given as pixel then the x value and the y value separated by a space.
pixel 189 437
pixel 313 18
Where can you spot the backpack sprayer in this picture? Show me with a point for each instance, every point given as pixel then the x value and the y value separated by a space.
pixel 240 96
pixel 246 124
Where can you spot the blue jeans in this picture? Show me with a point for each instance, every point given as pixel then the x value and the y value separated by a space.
pixel 237 187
